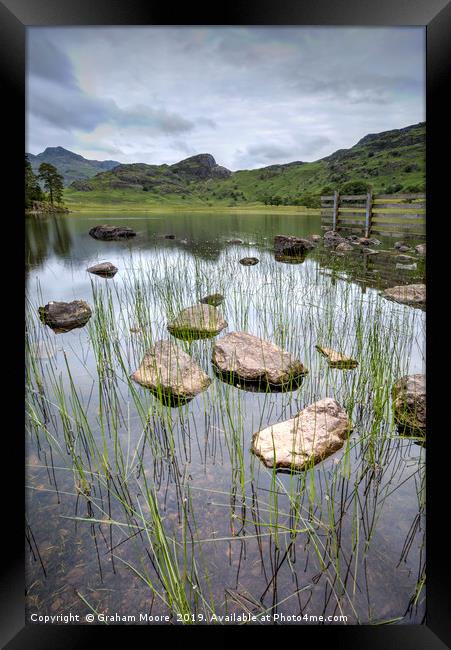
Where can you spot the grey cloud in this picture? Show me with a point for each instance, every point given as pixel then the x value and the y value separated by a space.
pixel 45 60
pixel 270 152
pixel 252 96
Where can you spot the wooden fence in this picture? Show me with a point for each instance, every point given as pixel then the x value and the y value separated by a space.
pixel 390 215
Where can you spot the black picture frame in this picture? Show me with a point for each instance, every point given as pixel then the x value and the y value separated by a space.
pixel 435 15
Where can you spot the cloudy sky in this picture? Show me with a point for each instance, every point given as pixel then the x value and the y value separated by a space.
pixel 249 96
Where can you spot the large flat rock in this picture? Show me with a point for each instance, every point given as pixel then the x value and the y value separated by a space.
pixel 409 402
pixel 109 233
pixel 197 321
pixel 171 373
pixel 408 294
pixel 250 359
pixel 65 316
pixel 315 433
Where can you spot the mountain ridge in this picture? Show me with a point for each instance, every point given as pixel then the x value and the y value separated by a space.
pixel 390 161
pixel 71 165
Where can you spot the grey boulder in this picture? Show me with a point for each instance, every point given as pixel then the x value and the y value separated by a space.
pixel 290 245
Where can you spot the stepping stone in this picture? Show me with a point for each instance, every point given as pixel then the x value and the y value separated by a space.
pixel 249 261
pixel 214 299
pixel 65 316
pixel 312 435
pixel 109 233
pixel 198 321
pixel 240 357
pixel 408 294
pixel 337 359
pixel 170 373
pixel 409 403
pixel 105 270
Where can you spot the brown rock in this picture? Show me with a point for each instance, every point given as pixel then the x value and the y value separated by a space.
pixel 344 246
pixel 408 294
pixel 105 270
pixel 108 233
pixel 198 321
pixel 65 316
pixel 171 373
pixel 242 357
pixel 312 435
pixel 249 261
pixel 409 402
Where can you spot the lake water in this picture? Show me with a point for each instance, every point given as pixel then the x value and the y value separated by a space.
pixel 345 538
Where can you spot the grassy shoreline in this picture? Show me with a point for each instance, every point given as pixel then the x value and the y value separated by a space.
pixel 252 209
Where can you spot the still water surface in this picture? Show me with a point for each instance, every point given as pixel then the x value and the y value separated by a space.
pixel 364 504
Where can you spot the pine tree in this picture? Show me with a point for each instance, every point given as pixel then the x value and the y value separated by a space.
pixel 53 182
pixel 32 190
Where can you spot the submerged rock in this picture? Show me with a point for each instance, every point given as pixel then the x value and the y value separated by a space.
pixel 65 316
pixel 290 259
pixel 337 359
pixel 290 245
pixel 408 294
pixel 214 299
pixel 109 233
pixel 242 357
pixel 235 241
pixel 198 321
pixel 409 403
pixel 105 270
pixel 315 433
pixel 249 261
pixel 169 236
pixel 171 373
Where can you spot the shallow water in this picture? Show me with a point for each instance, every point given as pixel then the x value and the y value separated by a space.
pixel 344 538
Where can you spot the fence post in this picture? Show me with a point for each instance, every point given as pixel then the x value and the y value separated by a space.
pixel 369 209
pixel 335 214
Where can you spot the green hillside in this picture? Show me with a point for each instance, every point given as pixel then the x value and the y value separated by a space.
pixel 390 162
pixel 70 165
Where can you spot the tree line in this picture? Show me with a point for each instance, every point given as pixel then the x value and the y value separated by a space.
pixel 51 180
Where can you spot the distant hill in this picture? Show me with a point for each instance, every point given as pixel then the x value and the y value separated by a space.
pixel 391 161
pixel 71 165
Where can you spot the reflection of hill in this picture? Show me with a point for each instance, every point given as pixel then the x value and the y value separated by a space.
pixel 203 235
pixel 46 235
pixel 370 270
